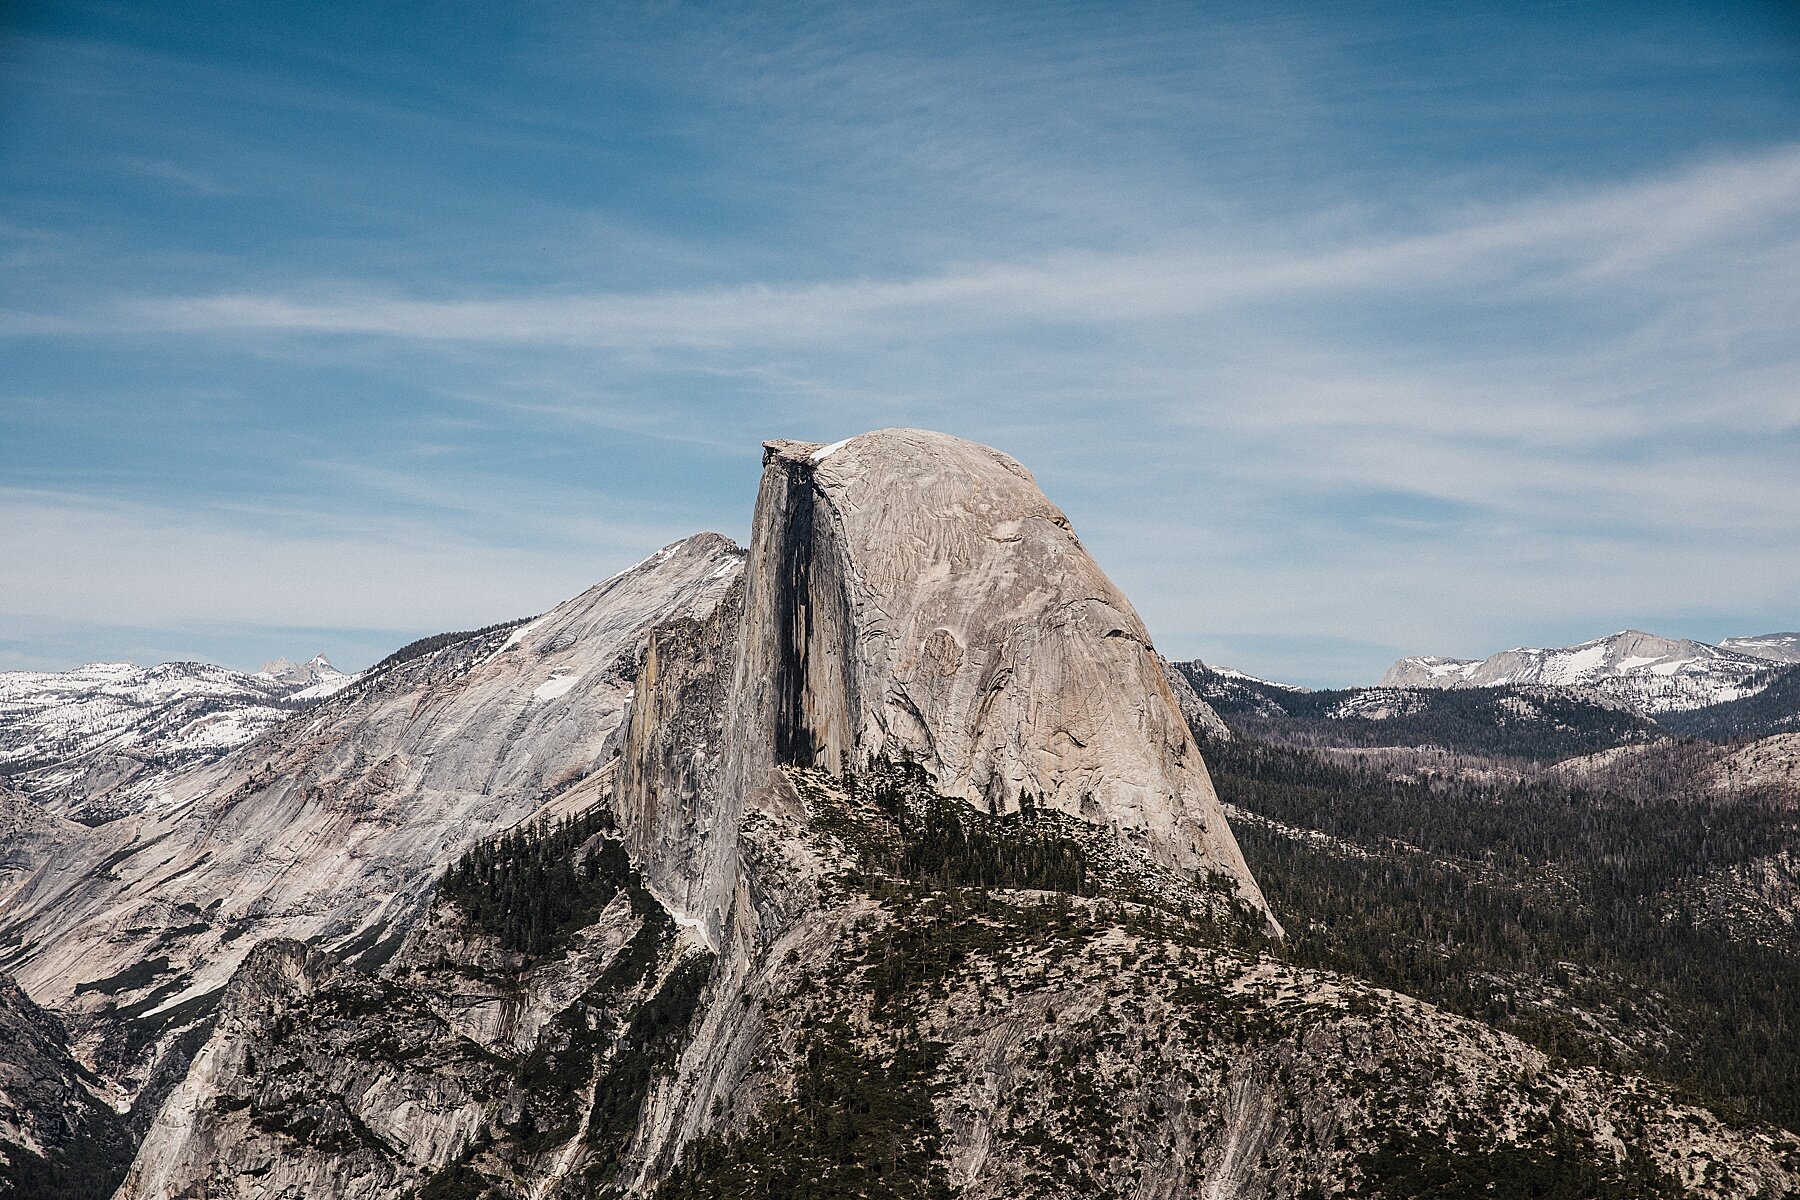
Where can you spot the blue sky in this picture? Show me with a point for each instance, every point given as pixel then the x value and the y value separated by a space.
pixel 1341 331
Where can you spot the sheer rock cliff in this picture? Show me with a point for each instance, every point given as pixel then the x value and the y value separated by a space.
pixel 912 595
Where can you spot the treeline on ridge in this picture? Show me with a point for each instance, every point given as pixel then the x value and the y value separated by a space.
pixel 437 641
pixel 1774 709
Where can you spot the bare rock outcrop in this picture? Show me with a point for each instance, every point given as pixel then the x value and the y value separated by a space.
pixel 263 1112
pixel 464 1051
pixel 33 839
pixel 1201 717
pixel 913 595
pixel 333 829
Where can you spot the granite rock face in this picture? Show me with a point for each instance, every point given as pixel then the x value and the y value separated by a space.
pixel 32 839
pixel 669 793
pixel 333 829
pixel 270 1109
pixel 910 595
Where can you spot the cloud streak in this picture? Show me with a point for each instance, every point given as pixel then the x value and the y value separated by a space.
pixel 1610 239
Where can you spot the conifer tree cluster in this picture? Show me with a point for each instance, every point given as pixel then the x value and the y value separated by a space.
pixel 948 843
pixel 530 887
pixel 420 647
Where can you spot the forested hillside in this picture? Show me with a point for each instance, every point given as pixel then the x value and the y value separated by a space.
pixel 1775 709
pixel 1595 921
pixel 1532 725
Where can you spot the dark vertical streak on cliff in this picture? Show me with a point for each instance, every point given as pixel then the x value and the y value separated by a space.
pixel 794 740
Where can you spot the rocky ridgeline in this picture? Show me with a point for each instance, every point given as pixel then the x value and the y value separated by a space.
pixel 879 859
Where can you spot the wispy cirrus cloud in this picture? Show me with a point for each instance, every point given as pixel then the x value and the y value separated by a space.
pixel 174 174
pixel 1668 232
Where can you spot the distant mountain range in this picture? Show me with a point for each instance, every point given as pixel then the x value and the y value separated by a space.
pixel 118 730
pixel 1651 674
pixel 1776 647
pixel 1533 704
pixel 1538 724
pixel 104 738
pixel 313 679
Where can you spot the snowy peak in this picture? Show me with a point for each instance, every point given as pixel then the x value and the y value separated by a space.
pixel 1237 676
pixel 1652 674
pixel 280 669
pixel 315 677
pixel 1429 670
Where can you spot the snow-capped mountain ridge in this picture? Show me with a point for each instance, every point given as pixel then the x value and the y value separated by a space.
pixel 315 678
pixel 1233 673
pixel 121 728
pixel 1652 674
